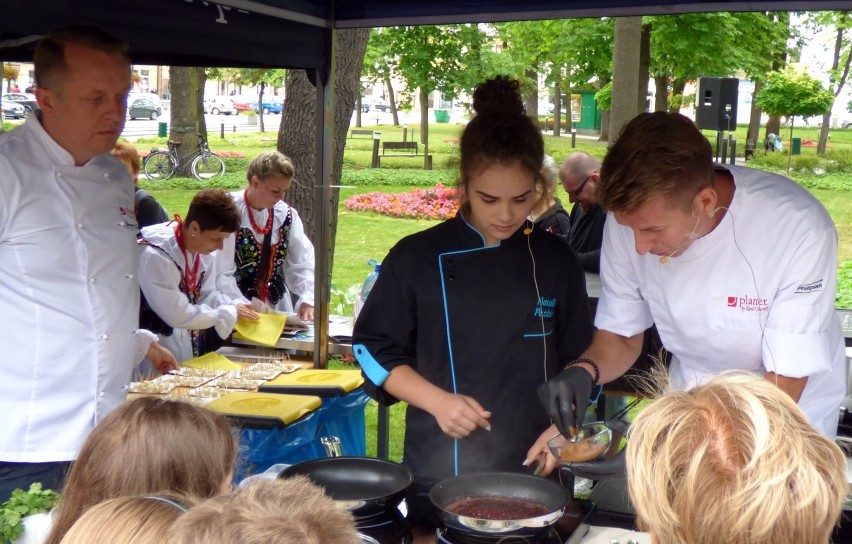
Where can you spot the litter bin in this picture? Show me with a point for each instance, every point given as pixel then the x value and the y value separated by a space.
pixel 272 429
pixel 796 144
pixel 442 116
pixel 343 401
pixel 162 129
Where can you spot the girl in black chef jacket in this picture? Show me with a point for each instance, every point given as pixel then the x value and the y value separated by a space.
pixel 468 317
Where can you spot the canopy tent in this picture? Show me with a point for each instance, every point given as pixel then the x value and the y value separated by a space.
pixel 299 34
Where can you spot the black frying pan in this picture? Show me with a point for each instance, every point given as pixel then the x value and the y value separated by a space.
pixel 362 485
pixel 503 485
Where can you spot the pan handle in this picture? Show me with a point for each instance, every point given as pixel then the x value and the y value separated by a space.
pixel 566 479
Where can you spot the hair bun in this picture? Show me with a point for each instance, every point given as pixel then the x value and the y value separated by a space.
pixel 498 96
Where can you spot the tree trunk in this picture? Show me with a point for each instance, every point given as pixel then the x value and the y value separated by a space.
pixel 424 123
pixel 773 126
pixel 358 106
pixel 392 101
pixel 678 85
pixel 754 120
pixel 260 107
pixel 644 67
pixel 837 78
pixel 530 94
pixel 604 136
pixel 187 111
pixel 557 109
pixel 625 72
pixel 661 94
pixel 297 134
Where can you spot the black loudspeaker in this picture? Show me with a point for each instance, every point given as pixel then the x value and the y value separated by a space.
pixel 717 103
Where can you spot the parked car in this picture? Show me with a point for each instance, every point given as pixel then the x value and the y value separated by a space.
pixel 244 103
pixel 27 100
pixel 133 95
pixel 13 110
pixel 217 105
pixel 272 104
pixel 381 106
pixel 145 108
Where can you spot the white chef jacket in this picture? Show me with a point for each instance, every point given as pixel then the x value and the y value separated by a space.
pixel 298 265
pixel 757 293
pixel 69 297
pixel 159 278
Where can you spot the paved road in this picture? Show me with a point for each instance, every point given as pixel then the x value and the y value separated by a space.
pixel 138 128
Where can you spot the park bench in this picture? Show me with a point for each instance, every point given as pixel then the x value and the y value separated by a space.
pixel 401 149
pixel 361 133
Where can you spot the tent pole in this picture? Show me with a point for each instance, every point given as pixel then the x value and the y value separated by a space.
pixel 322 252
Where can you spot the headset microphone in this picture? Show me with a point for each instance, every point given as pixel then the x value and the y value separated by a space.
pixel 664 259
pixel 528 231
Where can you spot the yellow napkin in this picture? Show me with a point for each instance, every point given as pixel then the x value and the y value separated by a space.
pixel 212 361
pixel 266 330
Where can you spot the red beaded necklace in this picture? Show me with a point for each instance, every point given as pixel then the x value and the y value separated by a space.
pixel 190 274
pixel 269 215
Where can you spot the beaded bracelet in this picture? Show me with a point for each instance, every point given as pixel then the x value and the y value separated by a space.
pixel 594 365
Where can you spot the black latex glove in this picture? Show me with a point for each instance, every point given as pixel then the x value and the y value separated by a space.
pixel 566 397
pixel 613 463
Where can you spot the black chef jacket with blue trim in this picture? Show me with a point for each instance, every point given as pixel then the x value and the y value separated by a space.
pixel 469 320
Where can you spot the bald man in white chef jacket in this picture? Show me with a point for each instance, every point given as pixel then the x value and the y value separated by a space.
pixel 69 298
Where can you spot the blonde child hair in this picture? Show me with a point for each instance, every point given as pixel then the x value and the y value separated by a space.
pixel 733 461
pixel 126 520
pixel 268 512
pixel 149 445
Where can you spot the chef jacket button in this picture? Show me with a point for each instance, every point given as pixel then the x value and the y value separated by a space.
pixel 101 395
pixel 104 337
pixel 106 175
pixel 79 225
pixel 129 276
pixel 122 223
pixel 92 280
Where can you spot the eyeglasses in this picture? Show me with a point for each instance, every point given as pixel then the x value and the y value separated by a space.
pixel 580 188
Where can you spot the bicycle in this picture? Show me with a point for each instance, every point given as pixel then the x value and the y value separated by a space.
pixel 204 164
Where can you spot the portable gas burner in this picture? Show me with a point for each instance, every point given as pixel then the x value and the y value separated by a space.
pixel 570 529
pixel 385 527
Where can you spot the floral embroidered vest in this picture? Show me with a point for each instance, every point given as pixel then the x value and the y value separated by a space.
pixel 247 260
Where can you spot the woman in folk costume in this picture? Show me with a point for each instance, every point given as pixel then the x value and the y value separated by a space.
pixel 180 301
pixel 273 259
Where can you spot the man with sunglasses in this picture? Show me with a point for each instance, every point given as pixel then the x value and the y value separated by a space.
pixel 580 173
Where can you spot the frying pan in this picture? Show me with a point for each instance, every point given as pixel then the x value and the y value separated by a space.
pixel 362 485
pixel 504 485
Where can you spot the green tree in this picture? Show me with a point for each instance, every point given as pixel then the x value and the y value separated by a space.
pixel 446 58
pixel 791 93
pixel 261 78
pixel 839 25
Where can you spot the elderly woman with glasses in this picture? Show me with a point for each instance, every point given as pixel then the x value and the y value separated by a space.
pixel 270 256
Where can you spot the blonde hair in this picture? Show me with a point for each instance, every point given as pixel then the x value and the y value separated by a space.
pixel 129 157
pixel 148 445
pixel 270 163
pixel 546 190
pixel 125 520
pixel 269 512
pixel 201 524
pixel 733 461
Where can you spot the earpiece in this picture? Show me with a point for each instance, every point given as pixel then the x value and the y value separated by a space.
pixel 528 231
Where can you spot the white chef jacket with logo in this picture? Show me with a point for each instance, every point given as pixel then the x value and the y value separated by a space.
pixel 69 298
pixel 757 293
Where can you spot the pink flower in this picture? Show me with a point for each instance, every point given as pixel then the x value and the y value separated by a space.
pixel 437 203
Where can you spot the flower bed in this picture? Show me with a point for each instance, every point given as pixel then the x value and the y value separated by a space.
pixel 438 202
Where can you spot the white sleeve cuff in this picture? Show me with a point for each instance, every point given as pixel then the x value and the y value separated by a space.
pixel 226 318
pixel 144 338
